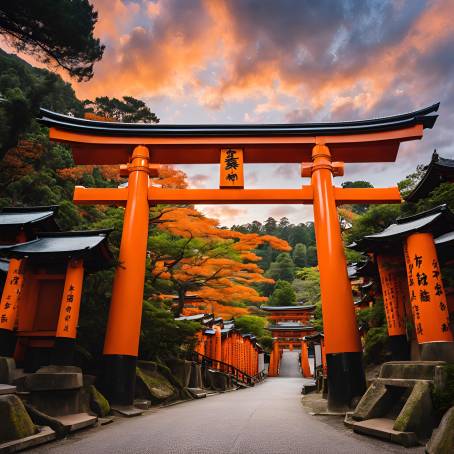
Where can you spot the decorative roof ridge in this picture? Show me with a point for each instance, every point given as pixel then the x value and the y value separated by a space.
pixel 75 233
pixel 18 210
pixel 435 210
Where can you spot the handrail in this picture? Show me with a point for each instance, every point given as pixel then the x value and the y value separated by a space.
pixel 229 369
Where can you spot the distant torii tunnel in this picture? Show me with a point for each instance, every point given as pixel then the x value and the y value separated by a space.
pixel 140 148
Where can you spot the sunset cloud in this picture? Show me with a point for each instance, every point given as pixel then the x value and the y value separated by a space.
pixel 268 61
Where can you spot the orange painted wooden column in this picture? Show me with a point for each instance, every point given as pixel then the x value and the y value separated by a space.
pixel 68 319
pixel 121 344
pixel 217 346
pixel 10 301
pixel 274 360
pixel 394 291
pixel 346 378
pixel 427 296
pixel 305 367
pixel 9 305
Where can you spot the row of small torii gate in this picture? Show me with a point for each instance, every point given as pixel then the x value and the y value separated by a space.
pixel 141 148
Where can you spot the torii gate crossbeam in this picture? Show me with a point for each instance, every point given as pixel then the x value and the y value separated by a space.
pixel 327 145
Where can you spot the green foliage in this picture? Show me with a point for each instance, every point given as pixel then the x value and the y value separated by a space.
pixel 128 110
pixel 307 285
pixel 251 324
pixel 299 255
pixel 266 342
pixel 443 399
pixel 24 90
pixel 358 208
pixel 283 295
pixel 375 345
pixel 60 33
pixel 374 220
pixel 163 336
pixel 283 268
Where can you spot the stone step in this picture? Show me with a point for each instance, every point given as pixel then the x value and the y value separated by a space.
pixel 77 421
pixel 383 428
pixel 7 389
pixel 197 393
pixel 44 435
pixel 142 404
pixel 126 410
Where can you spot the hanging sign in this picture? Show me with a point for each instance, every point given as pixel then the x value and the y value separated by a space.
pixel 231 168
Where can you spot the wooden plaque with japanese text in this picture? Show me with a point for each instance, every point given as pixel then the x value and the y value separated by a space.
pixel 231 168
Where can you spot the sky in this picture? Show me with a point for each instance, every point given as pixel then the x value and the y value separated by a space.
pixel 265 61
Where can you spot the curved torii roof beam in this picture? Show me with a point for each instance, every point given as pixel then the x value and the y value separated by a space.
pixel 376 140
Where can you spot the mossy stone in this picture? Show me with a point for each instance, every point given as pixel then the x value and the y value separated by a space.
pixel 15 421
pixel 152 385
pixel 98 403
pixel 442 440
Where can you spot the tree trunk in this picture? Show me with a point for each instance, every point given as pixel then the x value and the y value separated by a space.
pixel 180 306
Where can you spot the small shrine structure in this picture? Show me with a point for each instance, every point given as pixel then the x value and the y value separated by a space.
pixel 409 269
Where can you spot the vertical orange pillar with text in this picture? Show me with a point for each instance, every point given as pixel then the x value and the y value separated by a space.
pixel 68 319
pixel 346 379
pixel 392 278
pixel 427 297
pixel 121 344
pixel 9 304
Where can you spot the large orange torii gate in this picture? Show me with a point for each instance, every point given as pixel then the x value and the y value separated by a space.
pixel 140 148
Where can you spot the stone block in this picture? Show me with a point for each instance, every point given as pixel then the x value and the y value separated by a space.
pixel 413 370
pixel 195 380
pixel 373 403
pixel 181 370
pixel 417 413
pixel 442 440
pixel 7 369
pixel 153 386
pixel 15 421
pixel 438 351
pixel 53 378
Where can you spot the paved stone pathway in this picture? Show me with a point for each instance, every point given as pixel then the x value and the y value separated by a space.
pixel 266 419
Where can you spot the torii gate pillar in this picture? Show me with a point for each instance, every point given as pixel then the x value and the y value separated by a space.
pixel 121 345
pixel 346 379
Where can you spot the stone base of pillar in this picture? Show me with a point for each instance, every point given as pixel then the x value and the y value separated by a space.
pixel 346 380
pixel 399 347
pixel 438 351
pixel 63 352
pixel 118 378
pixel 7 342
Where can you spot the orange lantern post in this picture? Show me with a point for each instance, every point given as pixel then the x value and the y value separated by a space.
pixel 393 285
pixel 428 297
pixel 66 332
pixel 121 344
pixel 346 379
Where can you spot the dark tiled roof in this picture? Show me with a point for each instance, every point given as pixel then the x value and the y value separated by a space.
pixel 54 248
pixel 438 220
pixel 438 171
pixel 30 219
pixel 103 128
pixel 287 308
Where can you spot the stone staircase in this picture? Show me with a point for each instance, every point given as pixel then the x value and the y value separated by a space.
pixel 397 406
